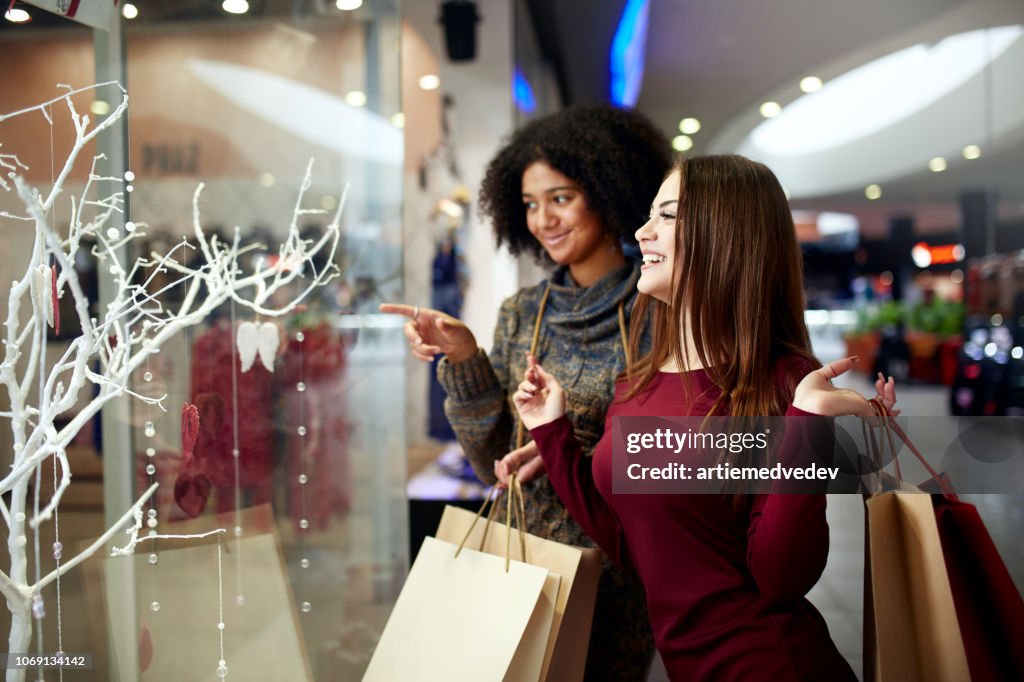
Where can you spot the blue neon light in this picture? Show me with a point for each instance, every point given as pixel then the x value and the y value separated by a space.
pixel 522 93
pixel 626 61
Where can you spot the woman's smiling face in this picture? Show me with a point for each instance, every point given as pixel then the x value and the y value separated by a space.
pixel 657 238
pixel 558 217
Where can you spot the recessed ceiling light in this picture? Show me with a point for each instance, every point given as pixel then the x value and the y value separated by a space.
pixel 235 6
pixel 873 192
pixel 971 152
pixel 398 120
pixel 810 84
pixel 937 165
pixel 689 126
pixel 682 143
pixel 771 109
pixel 355 98
pixel 349 5
pixel 430 82
pixel 100 107
pixel 328 202
pixel 267 179
pixel 17 15
pixel 129 11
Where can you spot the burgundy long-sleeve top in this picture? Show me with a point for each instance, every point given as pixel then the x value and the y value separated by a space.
pixel 725 586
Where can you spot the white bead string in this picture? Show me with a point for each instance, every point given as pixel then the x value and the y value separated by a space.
pixel 235 454
pixel 149 431
pixel 222 664
pixel 300 388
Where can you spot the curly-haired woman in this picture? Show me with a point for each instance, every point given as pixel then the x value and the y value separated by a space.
pixel 569 189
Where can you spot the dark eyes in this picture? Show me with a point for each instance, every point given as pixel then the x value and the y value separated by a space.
pixel 557 199
pixel 667 215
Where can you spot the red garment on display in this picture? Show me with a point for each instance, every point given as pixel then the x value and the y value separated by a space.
pixel 212 393
pixel 725 586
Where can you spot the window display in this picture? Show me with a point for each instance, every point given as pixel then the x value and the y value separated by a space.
pixel 255 458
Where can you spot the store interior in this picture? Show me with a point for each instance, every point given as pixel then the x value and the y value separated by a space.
pixel 896 129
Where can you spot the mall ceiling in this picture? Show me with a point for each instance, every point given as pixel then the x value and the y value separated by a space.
pixel 718 61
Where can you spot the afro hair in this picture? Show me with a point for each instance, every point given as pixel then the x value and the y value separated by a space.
pixel 617 156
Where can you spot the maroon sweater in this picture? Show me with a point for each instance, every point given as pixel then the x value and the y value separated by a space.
pixel 725 587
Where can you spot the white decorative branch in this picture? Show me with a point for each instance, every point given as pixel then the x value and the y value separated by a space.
pixel 135 324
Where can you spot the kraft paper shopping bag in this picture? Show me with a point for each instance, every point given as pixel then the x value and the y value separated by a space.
pixel 580 569
pixel 917 636
pixel 466 618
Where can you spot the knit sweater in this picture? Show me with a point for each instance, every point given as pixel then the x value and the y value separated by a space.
pixel 581 344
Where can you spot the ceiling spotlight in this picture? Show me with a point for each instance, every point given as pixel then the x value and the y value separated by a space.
pixel 349 5
pixel 100 107
pixel 355 98
pixel 689 126
pixel 682 143
pixel 771 109
pixel 430 82
pixel 810 84
pixel 235 6
pixel 937 165
pixel 17 15
pixel 873 192
pixel 129 11
pixel 267 179
pixel 398 120
pixel 971 152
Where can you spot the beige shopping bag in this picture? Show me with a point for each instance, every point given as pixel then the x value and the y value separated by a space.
pixel 917 636
pixel 471 617
pixel 580 569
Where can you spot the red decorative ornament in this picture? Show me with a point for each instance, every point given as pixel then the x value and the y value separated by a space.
pixel 191 491
pixel 189 431
pixel 145 649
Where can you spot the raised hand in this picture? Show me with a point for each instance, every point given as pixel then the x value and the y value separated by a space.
pixel 816 394
pixel 430 332
pixel 539 398
pixel 526 461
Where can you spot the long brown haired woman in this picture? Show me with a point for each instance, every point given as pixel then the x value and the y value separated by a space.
pixel 725 583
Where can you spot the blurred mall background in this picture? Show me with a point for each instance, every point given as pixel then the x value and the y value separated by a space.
pixel 896 128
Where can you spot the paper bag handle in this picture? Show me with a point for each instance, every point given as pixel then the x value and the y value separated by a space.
pixel 515 494
pixel 891 426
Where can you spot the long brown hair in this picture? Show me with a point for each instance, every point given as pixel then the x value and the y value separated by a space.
pixel 738 272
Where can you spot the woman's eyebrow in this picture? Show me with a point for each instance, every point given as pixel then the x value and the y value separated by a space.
pixel 553 189
pixel 666 203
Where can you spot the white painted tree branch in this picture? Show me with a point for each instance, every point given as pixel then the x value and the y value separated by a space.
pixel 118 340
